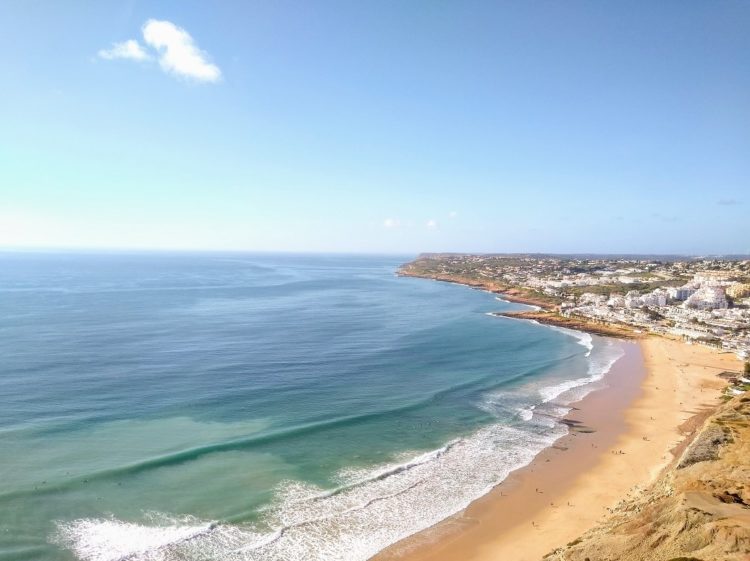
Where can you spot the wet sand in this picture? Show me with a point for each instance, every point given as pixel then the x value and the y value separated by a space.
pixel 655 396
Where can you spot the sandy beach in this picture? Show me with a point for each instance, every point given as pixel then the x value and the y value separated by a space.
pixel 656 396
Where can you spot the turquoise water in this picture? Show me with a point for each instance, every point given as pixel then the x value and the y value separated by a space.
pixel 237 406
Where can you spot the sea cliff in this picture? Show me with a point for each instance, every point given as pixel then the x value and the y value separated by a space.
pixel 698 510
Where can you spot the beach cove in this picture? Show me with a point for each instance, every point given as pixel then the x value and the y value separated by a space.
pixel 132 379
pixel 656 397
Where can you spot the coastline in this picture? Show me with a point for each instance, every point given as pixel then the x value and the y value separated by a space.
pixel 544 311
pixel 579 324
pixel 507 293
pixel 656 397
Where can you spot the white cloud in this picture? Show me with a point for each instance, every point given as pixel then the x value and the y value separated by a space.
pixel 452 214
pixel 175 49
pixel 391 223
pixel 178 53
pixel 432 224
pixel 129 49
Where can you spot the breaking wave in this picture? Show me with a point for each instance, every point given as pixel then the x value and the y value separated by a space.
pixel 370 508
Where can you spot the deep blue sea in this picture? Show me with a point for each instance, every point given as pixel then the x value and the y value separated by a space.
pixel 176 406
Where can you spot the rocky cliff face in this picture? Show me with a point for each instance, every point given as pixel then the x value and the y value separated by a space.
pixel 698 510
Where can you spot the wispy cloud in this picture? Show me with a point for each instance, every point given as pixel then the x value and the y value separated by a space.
pixel 391 223
pixel 432 224
pixel 129 49
pixel 728 202
pixel 452 214
pixel 178 53
pixel 173 47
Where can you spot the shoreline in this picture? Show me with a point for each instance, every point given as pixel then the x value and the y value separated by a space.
pixel 578 324
pixel 509 294
pixel 527 491
pixel 652 405
pixel 544 312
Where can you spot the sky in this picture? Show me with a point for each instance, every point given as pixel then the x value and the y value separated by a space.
pixel 376 127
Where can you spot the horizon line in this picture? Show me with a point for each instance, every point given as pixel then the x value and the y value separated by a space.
pixel 107 250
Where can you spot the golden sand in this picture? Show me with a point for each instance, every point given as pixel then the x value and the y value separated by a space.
pixel 640 420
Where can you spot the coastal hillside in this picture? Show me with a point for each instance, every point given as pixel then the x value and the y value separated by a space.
pixel 702 300
pixel 453 268
pixel 698 510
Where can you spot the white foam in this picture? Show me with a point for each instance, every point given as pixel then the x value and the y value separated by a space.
pixel 582 338
pixel 526 413
pixel 598 366
pixel 371 509
pixel 374 508
pixel 551 392
pixel 114 540
pixel 525 400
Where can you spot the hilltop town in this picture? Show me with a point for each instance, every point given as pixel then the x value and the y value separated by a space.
pixel 704 300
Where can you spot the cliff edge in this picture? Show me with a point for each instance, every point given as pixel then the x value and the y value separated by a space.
pixel 698 509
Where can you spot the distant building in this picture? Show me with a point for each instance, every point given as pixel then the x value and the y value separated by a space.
pixel 633 299
pixel 589 298
pixel 656 298
pixel 682 292
pixel 707 298
pixel 661 296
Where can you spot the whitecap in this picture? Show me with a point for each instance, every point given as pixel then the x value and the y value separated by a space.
pixel 375 508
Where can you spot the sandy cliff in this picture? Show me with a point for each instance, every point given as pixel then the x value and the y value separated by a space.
pixel 699 509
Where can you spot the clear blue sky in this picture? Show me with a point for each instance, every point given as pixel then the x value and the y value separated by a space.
pixel 376 126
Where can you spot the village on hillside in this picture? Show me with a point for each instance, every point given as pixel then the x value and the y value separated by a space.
pixel 704 300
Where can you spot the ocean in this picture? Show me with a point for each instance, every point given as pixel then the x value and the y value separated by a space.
pixel 212 406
